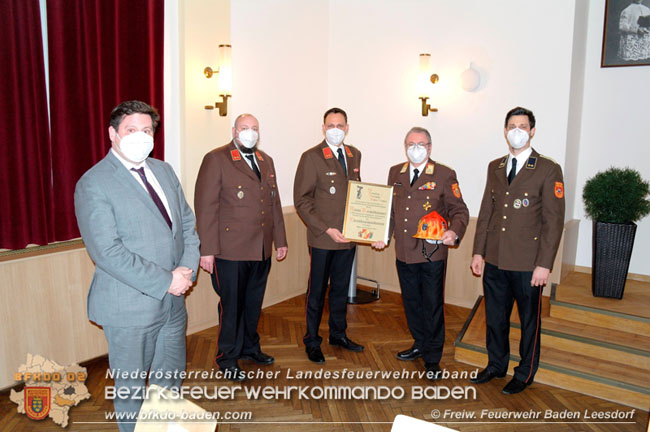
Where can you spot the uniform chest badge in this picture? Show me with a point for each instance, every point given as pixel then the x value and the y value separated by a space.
pixel 559 190
pixel 356 170
pixel 517 203
pixel 327 153
pixel 234 154
pixel 332 190
pixel 428 186
pixel 426 206
pixel 240 194
pixel 456 190
pixel 525 202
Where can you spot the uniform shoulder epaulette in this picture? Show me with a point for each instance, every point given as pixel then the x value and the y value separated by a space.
pixel 551 159
pixel 446 166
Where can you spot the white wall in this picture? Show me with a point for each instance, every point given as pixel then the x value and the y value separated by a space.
pixel 204 24
pixel 374 52
pixel 279 56
pixel 292 60
pixel 614 125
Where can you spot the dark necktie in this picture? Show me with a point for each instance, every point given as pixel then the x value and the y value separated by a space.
pixel 342 161
pixel 154 196
pixel 415 176
pixel 513 171
pixel 254 166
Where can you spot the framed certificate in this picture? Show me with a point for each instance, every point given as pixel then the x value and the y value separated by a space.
pixel 367 212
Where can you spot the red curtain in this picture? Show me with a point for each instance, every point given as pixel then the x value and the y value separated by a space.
pixel 101 53
pixel 25 188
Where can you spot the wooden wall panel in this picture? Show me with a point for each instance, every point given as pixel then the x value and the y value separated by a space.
pixel 461 286
pixel 43 307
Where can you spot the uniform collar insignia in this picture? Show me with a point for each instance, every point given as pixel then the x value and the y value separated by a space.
pixel 503 161
pixel 429 169
pixel 327 153
pixel 234 154
pixel 259 156
pixel 348 151
pixel 404 168
pixel 532 162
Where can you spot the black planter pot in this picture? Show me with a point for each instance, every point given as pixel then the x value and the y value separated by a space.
pixel 610 258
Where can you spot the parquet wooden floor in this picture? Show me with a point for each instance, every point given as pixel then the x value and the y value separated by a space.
pixel 381 327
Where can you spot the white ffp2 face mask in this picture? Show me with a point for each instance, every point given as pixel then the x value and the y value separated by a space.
pixel 136 146
pixel 248 138
pixel 517 138
pixel 417 153
pixel 334 136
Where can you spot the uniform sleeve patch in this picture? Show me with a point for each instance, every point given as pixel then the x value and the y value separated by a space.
pixel 559 190
pixel 456 190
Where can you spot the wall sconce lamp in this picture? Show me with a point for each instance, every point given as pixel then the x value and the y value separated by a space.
pixel 224 69
pixel 424 79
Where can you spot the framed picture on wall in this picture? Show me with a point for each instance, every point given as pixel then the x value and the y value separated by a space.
pixel 626 34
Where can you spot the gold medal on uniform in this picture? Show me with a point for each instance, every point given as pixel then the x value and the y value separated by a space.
pixel 517 203
pixel 240 194
pixel 332 190
pixel 426 206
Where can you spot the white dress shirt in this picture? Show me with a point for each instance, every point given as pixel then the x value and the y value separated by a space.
pixel 335 151
pixel 522 159
pixel 151 178
pixel 243 155
pixel 412 170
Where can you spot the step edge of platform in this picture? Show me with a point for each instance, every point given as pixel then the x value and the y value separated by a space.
pixel 468 321
pixel 584 375
pixel 561 303
pixel 590 341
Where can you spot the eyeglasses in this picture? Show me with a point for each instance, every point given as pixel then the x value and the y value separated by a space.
pixel 420 144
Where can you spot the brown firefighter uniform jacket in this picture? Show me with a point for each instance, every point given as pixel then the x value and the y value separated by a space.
pixel 320 191
pixel 236 213
pixel 520 225
pixel 435 189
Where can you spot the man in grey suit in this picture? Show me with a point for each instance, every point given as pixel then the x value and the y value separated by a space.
pixel 139 231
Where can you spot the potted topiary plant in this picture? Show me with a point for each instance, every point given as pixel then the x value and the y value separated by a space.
pixel 614 199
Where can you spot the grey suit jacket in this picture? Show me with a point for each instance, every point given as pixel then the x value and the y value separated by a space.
pixel 131 244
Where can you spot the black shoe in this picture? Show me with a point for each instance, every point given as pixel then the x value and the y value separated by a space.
pixel 485 375
pixel 315 354
pixel 515 386
pixel 233 373
pixel 259 358
pixel 409 354
pixel 434 372
pixel 346 343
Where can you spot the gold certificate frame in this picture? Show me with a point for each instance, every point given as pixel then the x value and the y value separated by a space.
pixel 367 212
